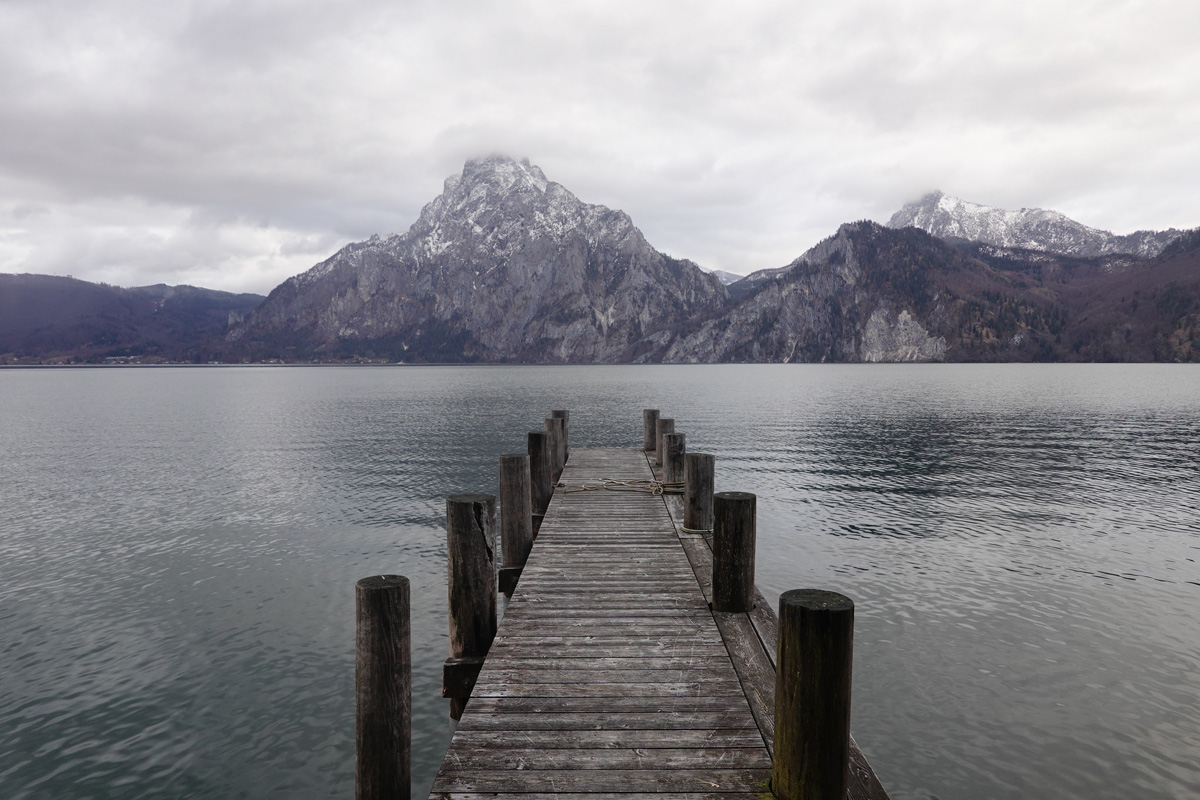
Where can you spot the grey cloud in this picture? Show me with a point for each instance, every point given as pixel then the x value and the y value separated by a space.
pixel 230 142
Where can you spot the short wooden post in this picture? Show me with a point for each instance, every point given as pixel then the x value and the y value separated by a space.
pixel 733 551
pixel 662 428
pixel 650 429
pixel 556 427
pixel 565 416
pixel 698 471
pixel 676 448
pixel 516 518
pixel 541 480
pixel 383 689
pixel 812 695
pixel 471 550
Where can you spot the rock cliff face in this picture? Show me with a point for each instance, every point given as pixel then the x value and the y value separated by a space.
pixel 505 265
pixel 1029 228
pixel 855 296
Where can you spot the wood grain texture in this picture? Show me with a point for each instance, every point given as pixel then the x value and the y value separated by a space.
pixel 516 509
pixel 674 451
pixel 649 428
pixel 863 782
pixel 698 477
pixel 383 689
pixel 610 675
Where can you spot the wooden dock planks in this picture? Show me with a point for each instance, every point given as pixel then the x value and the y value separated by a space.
pixel 609 675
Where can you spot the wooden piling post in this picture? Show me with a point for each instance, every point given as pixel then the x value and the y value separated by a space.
pixel 662 427
pixel 676 448
pixel 698 471
pixel 383 689
pixel 516 518
pixel 649 429
pixel 471 551
pixel 812 695
pixel 565 416
pixel 733 551
pixel 541 480
pixel 556 427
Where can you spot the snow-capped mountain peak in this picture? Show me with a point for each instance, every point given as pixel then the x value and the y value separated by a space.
pixel 1029 228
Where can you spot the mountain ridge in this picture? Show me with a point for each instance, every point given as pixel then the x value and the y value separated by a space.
pixel 507 266
pixel 1027 228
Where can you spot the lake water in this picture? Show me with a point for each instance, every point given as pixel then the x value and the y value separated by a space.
pixel 178 550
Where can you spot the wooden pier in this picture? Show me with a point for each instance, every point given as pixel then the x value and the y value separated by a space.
pixel 610 675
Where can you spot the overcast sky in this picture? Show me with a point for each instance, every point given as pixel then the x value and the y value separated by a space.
pixel 233 144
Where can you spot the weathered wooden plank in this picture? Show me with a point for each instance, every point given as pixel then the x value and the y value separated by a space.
pixel 639 758
pixel 634 689
pixel 553 705
pixel 604 780
pixel 616 650
pixel 552 795
pixel 522 661
pixel 615 721
pixel 608 663
pixel 755 672
pixel 764 629
pixel 592 740
pixel 629 638
pixel 717 672
pixel 613 627
pixel 532 611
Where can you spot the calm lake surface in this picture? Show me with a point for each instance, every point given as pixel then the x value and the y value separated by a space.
pixel 178 551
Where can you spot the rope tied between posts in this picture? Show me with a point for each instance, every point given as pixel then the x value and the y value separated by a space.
pixel 643 485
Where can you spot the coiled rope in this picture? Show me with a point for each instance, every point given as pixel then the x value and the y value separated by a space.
pixel 643 485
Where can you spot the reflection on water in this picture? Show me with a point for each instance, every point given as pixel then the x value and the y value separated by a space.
pixel 178 550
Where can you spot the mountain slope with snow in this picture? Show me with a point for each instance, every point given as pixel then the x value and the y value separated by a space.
pixel 1028 228
pixel 504 265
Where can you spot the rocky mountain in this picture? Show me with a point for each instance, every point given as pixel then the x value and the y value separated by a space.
pixel 871 293
pixel 725 277
pixel 46 318
pixel 508 266
pixel 1029 228
pixel 505 265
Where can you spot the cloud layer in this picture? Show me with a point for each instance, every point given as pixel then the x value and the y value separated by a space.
pixel 232 144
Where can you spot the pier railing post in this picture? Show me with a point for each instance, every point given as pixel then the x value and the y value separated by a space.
pixel 516 518
pixel 383 689
pixel 698 471
pixel 471 551
pixel 676 449
pixel 812 696
pixel 733 551
pixel 649 429
pixel 662 427
pixel 565 416
pixel 556 427
pixel 541 481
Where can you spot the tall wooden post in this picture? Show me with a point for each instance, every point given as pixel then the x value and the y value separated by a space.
pixel 471 548
pixel 676 448
pixel 649 429
pixel 565 416
pixel 541 481
pixel 516 518
pixel 556 428
pixel 698 471
pixel 812 695
pixel 733 551
pixel 662 428
pixel 383 689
